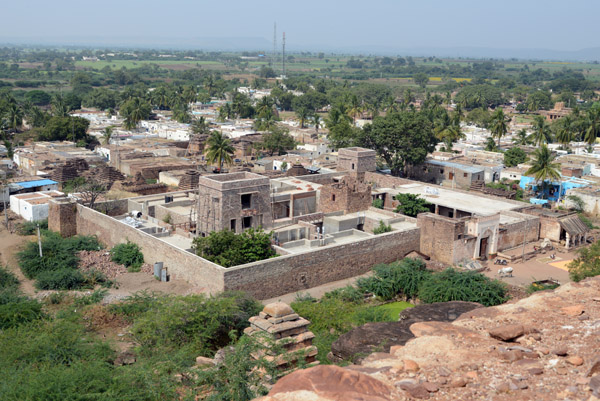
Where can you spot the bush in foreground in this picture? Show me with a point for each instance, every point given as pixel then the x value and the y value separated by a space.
pixel 62 279
pixel 399 278
pixel 454 285
pixel 128 255
pixel 587 263
pixel 58 253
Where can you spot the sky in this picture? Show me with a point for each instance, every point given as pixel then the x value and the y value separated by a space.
pixel 309 24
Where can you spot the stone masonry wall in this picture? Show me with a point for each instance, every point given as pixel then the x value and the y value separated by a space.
pixel 512 235
pixel 61 217
pixel 348 195
pixel 439 236
pixel 180 264
pixel 290 273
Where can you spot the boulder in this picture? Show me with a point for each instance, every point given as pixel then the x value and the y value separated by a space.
pixel 363 340
pixel 331 383
pixel 507 332
pixel 278 309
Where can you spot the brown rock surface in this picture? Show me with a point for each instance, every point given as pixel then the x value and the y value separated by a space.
pixel 462 361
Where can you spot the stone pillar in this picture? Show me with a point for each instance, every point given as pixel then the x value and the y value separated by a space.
pixel 279 321
pixel 62 216
pixel 568 240
pixel 437 209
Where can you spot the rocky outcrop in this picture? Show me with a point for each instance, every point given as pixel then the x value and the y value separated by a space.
pixel 544 347
pixel 361 341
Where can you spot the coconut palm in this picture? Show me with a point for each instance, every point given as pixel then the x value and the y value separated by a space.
pixel 355 107
pixel 564 130
pixel 200 126
pixel 302 114
pixel 219 149
pixel 134 111
pixel 408 97
pixel 59 106
pixel 521 138
pixel 543 166
pixel 593 124
pixel 541 131
pixel 391 106
pixel 317 122
pixel 449 135
pixel 226 112
pixel 498 125
pixel 107 134
pixel 14 115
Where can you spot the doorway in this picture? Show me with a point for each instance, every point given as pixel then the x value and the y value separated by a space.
pixel 483 244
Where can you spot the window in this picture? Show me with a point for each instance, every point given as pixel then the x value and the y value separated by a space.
pixel 441 171
pixel 232 225
pixel 465 175
pixel 333 197
pixel 246 201
pixel 352 166
pixel 247 222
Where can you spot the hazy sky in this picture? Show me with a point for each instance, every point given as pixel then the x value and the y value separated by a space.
pixel 551 24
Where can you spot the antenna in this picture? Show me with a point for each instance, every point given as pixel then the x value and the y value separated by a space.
pixel 283 56
pixel 274 56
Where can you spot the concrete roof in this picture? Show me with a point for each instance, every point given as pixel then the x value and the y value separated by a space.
pixel 467 202
pixel 458 166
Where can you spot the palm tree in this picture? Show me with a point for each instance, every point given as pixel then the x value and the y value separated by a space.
pixel 522 138
pixel 134 111
pixel 59 106
pixel 317 122
pixel 564 134
pixel 498 125
pixel 355 107
pixel 544 167
pixel 219 149
pixel 541 131
pixel 302 114
pixel 107 134
pixel 391 106
pixel 200 126
pixel 593 124
pixel 449 135
pixel 15 116
pixel 225 112
pixel 408 97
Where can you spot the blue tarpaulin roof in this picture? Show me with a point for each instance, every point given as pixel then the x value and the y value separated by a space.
pixel 36 183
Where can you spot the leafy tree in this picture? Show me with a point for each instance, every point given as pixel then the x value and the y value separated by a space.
pixel 278 140
pixel 479 96
pixel 65 128
pixel 411 204
pixel 219 149
pixel 587 263
pixel 539 100
pixel 490 145
pixel 421 79
pixel 227 248
pixel 402 139
pixel 454 285
pixel 577 202
pixel 514 156
pixel 38 97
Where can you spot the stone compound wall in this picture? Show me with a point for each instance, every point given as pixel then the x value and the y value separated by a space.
pixel 348 195
pixel 512 235
pixel 297 272
pixel 180 264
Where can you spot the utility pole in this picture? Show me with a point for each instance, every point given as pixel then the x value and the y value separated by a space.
pixel 283 56
pixel 274 56
pixel 524 237
pixel 39 241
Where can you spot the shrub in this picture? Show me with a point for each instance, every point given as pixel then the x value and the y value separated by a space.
pixel 587 263
pixel 129 255
pixel 378 203
pixel 30 227
pixel 58 253
pixel 454 285
pixel 534 287
pixel 400 278
pixel 62 279
pixel 346 294
pixel 411 204
pixel 93 298
pixel 227 248
pixel 135 305
pixel 167 219
pixel 383 228
pixel 587 221
pixel 199 324
pixel 8 279
pixel 17 309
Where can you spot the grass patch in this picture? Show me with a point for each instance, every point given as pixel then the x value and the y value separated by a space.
pixel 393 309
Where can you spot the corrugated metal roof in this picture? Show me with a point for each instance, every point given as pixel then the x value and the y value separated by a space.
pixel 573 225
pixel 458 166
pixel 36 183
